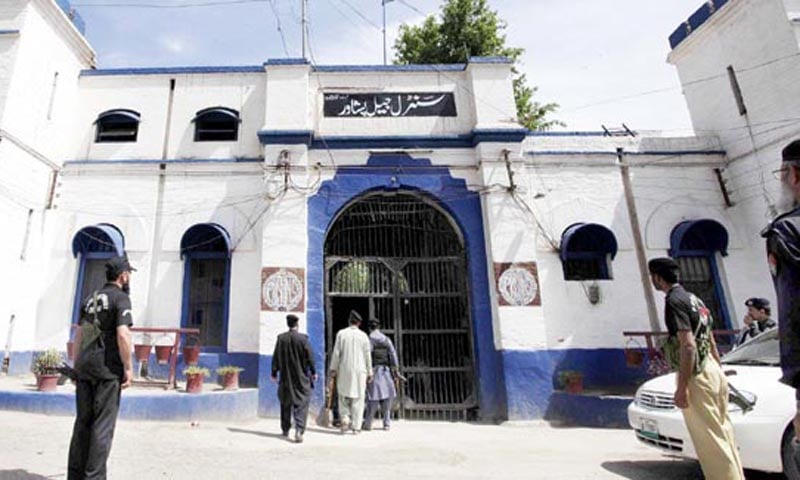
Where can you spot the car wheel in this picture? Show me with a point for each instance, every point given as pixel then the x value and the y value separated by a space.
pixel 788 456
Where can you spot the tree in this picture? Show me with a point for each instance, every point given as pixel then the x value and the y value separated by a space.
pixel 469 28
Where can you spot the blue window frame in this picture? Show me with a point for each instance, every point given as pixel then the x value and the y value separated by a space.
pixel 696 245
pixel 587 250
pixel 206 250
pixel 92 246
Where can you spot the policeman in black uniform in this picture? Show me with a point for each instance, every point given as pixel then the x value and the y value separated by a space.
pixel 783 256
pixel 101 375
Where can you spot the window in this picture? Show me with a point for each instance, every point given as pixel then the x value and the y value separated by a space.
pixel 116 126
pixel 92 246
pixel 216 124
pixel 697 246
pixel 205 249
pixel 586 252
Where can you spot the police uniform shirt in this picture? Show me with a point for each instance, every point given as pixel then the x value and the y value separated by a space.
pixel 680 312
pixel 113 310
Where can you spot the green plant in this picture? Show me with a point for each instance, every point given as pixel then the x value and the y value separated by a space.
pixel 228 369
pixel 195 370
pixel 47 362
pixel 565 376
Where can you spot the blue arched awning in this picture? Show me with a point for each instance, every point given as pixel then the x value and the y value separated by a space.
pixel 217 114
pixel 698 237
pixel 119 115
pixel 587 240
pixel 207 238
pixel 101 238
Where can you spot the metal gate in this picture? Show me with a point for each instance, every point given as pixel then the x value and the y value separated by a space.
pixel 398 258
pixel 697 275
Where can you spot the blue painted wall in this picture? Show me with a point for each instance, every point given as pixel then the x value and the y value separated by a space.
pixel 390 172
pixel 531 376
pixel 173 406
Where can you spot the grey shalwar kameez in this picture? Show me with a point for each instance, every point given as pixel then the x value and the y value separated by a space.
pixel 381 392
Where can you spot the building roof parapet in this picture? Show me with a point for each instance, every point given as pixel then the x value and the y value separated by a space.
pixel 102 72
pixel 695 21
pixel 339 142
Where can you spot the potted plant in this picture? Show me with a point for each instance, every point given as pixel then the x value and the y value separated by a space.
pixel 194 378
pixel 571 381
pixel 229 376
pixel 162 353
pixel 44 367
pixel 191 351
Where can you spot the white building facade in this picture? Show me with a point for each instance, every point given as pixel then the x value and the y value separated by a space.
pixel 496 258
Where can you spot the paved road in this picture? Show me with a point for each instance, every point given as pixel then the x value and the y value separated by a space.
pixel 35 447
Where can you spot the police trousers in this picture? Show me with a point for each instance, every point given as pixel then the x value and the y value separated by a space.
pixel 97 404
pixel 709 425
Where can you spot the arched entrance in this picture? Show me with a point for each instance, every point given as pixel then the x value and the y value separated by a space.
pixel 398 257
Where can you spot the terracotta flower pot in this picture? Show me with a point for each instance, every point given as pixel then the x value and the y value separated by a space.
pixel 574 384
pixel 47 382
pixel 194 383
pixel 142 352
pixel 70 351
pixel 230 381
pixel 191 354
pixel 634 358
pixel 162 353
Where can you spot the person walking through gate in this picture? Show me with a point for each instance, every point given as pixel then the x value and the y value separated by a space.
pixel 351 366
pixel 783 255
pixel 293 370
pixel 381 391
pixel 702 389
pixel 103 367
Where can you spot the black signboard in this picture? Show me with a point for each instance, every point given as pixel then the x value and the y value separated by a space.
pixel 407 104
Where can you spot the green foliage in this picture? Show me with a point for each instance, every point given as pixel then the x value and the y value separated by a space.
pixel 469 28
pixel 47 362
pixel 195 370
pixel 227 369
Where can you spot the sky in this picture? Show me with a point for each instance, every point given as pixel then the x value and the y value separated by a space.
pixel 599 60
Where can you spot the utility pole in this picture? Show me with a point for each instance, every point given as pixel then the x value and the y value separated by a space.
pixel 638 241
pixel 383 6
pixel 303 22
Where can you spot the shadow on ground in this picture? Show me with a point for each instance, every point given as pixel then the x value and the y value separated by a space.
pixel 647 469
pixel 258 433
pixel 673 469
pixel 21 475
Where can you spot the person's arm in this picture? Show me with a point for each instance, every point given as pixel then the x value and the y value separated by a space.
pixel 124 344
pixel 275 366
pixel 367 349
pixel 334 366
pixel 312 369
pixel 124 321
pixel 688 350
pixel 76 344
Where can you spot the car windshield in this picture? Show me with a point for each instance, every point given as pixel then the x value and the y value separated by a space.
pixel 762 350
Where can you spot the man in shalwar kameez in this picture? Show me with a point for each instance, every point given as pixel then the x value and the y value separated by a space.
pixel 293 370
pixel 351 367
pixel 381 391
pixel 702 389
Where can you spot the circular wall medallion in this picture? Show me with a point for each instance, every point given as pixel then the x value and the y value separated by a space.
pixel 517 286
pixel 282 291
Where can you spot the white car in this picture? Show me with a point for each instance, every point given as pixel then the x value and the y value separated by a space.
pixel 760 407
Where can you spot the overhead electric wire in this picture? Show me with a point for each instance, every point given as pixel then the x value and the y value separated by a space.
pixel 278 25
